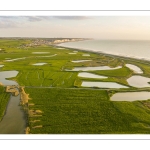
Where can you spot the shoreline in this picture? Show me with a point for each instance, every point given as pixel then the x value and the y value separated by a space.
pixel 106 54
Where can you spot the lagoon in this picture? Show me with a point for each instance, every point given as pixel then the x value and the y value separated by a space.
pixel 78 61
pixel 90 75
pixel 86 55
pixel 15 59
pixel 130 96
pixel 47 56
pixel 1 66
pixel 8 74
pixel 138 81
pixel 40 52
pixel 93 68
pixel 39 64
pixel 134 68
pixel 72 53
pixel 102 84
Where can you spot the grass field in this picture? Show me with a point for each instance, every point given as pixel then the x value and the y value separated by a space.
pixel 76 111
pixel 58 102
pixel 4 98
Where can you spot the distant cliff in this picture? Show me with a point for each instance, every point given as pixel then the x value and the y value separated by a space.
pixel 57 41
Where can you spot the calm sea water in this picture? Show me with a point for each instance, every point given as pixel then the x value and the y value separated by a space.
pixel 134 49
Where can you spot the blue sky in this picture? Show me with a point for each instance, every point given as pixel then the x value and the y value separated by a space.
pixel 101 27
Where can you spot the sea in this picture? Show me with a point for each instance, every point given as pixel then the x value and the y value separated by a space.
pixel 139 49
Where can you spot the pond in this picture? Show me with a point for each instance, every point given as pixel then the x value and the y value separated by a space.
pixel 72 53
pixel 78 61
pixel 130 96
pixel 102 84
pixel 94 68
pixel 1 66
pixel 40 52
pixel 47 56
pixel 138 81
pixel 39 64
pixel 90 75
pixel 16 59
pixel 134 68
pixel 8 74
pixel 60 48
pixel 86 55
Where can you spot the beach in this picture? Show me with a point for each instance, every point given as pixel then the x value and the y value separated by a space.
pixel 137 59
pixel 122 48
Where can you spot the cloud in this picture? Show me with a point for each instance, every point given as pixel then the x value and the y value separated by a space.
pixel 36 18
pixel 7 22
pixel 19 21
pixel 72 17
pixel 48 18
pixel 11 21
pixel 33 19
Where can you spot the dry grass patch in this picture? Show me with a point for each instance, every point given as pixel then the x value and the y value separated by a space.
pixel 35 112
pixel 27 130
pixel 12 89
pixel 35 121
pixel 24 96
pixel 40 126
pixel 31 104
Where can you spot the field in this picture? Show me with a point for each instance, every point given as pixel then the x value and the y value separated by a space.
pixel 58 104
pixel 4 98
pixel 76 111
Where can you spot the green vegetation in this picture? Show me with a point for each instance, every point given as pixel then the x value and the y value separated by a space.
pixel 122 72
pixel 4 97
pixel 59 104
pixel 79 111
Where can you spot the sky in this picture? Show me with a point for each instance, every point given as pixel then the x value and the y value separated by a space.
pixel 97 27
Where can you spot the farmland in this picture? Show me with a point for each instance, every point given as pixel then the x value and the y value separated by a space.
pixel 58 103
pixel 4 97
pixel 75 111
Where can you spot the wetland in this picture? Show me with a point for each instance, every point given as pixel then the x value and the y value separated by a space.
pixel 66 94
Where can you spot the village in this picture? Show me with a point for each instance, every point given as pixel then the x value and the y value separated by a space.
pixel 48 41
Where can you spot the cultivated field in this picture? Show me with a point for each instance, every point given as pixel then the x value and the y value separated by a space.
pixel 76 111
pixel 4 97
